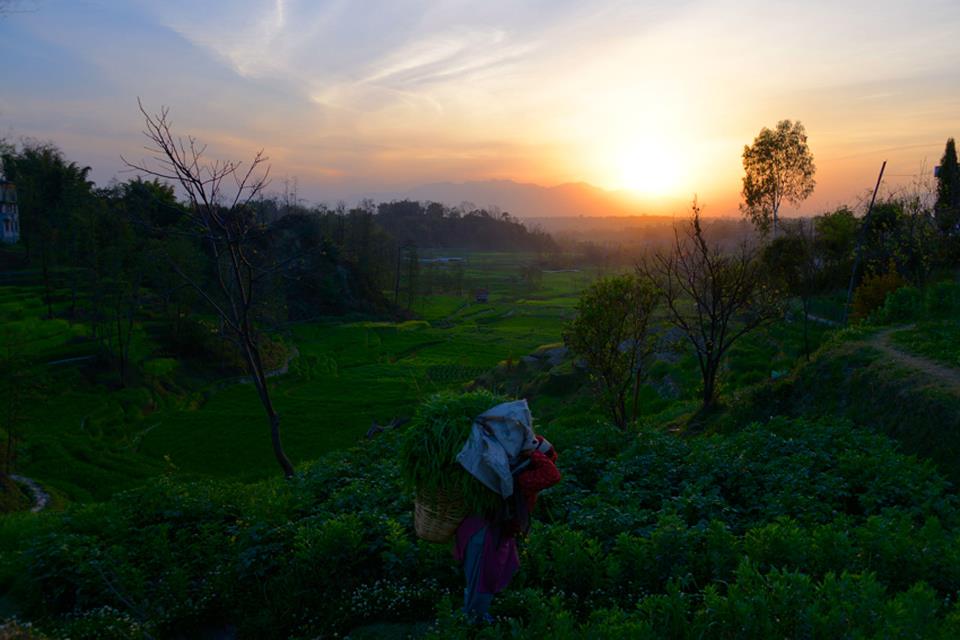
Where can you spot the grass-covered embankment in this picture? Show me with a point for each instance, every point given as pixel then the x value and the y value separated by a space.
pixel 887 375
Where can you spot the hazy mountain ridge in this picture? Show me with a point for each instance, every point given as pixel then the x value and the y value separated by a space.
pixel 528 200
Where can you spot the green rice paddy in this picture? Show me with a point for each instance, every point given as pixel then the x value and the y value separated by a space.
pixel 86 440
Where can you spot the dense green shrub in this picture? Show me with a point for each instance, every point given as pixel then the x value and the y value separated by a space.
pixel 160 367
pixel 943 298
pixel 789 528
pixel 873 291
pixel 901 305
pixel 755 605
pixel 811 471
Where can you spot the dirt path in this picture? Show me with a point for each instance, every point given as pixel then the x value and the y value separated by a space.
pixel 822 320
pixel 281 371
pixel 948 376
pixel 40 497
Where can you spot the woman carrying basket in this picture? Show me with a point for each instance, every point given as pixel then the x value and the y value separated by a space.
pixel 487 545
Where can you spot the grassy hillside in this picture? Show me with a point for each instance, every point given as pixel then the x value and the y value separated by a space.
pixel 858 381
pixel 85 439
pixel 794 515
pixel 894 374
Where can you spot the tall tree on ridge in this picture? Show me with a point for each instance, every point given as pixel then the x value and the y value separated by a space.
pixel 777 166
pixel 947 209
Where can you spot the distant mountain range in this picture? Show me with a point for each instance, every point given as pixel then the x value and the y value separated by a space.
pixel 526 200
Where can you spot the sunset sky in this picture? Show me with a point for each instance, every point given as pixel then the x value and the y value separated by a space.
pixel 371 96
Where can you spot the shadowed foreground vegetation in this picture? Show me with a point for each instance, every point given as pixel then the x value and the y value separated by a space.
pixel 792 528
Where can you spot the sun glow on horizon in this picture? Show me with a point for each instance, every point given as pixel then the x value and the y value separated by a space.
pixel 649 167
pixel 654 101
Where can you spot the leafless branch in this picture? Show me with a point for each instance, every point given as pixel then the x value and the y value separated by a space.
pixel 713 297
pixel 218 194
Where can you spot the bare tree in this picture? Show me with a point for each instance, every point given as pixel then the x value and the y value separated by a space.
pixel 218 194
pixel 714 298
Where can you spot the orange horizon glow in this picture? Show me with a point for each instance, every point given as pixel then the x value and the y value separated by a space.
pixel 652 100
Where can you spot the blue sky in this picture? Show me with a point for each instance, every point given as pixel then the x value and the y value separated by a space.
pixel 371 95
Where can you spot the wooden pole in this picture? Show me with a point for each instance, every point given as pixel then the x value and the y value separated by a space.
pixel 396 282
pixel 856 258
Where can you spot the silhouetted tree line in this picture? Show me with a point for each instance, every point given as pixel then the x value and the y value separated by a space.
pixel 436 225
pixel 109 253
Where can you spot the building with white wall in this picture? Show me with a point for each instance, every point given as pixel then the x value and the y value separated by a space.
pixel 9 217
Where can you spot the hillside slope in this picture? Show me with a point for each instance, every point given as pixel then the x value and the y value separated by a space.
pixel 873 383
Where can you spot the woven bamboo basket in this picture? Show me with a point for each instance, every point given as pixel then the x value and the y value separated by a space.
pixel 436 516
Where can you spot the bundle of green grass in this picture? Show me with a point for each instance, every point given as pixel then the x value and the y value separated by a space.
pixel 429 451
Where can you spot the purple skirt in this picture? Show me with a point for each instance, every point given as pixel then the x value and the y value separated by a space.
pixel 500 560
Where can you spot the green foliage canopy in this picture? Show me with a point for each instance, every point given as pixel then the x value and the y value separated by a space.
pixel 835 236
pixel 948 179
pixel 777 166
pixel 948 196
pixel 611 333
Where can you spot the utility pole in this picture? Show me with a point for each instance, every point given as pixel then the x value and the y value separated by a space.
pixel 403 252
pixel 856 258
pixel 396 281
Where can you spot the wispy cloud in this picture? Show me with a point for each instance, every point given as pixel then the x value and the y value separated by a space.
pixel 446 57
pixel 247 35
pixel 386 91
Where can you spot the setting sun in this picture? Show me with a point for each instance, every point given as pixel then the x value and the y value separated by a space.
pixel 649 168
